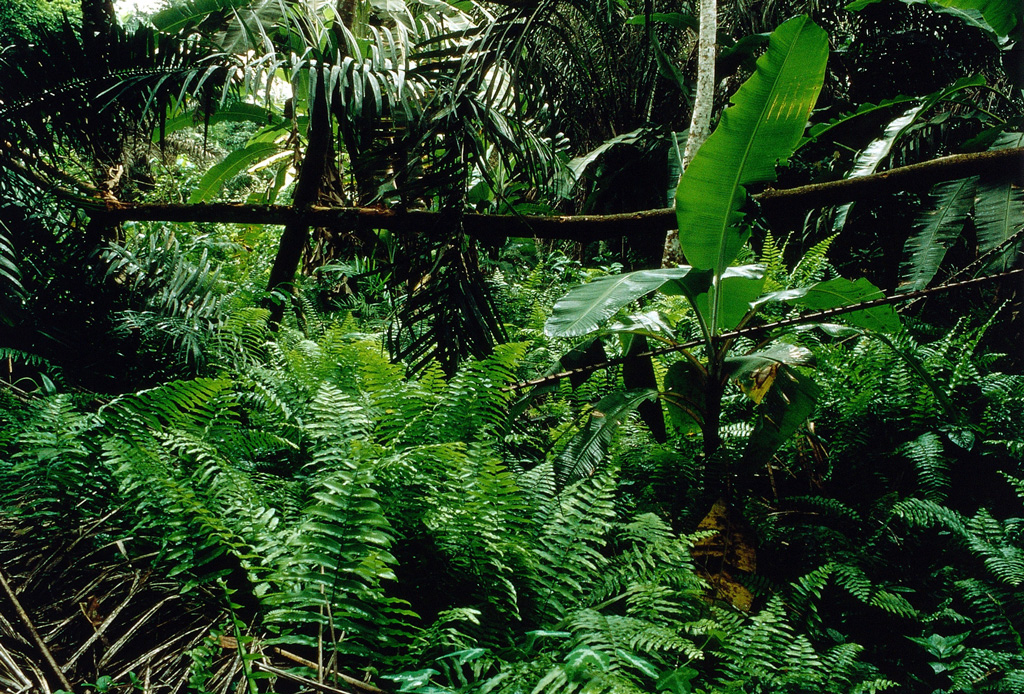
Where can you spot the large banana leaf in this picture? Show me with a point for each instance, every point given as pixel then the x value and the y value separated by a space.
pixel 191 13
pixel 583 309
pixel 937 229
pixel 760 130
pixel 838 292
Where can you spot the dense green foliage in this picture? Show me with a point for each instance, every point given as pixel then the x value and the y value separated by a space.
pixel 339 474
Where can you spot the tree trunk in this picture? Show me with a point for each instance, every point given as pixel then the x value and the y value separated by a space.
pixel 99 28
pixel 307 190
pixel 703 104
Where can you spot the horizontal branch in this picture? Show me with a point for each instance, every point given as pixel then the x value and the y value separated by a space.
pixel 805 319
pixel 999 163
pixel 480 226
pixel 585 228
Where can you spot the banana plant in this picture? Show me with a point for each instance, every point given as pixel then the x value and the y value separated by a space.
pixel 756 133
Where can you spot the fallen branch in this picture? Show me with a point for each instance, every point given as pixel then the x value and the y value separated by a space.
pixel 756 329
pixel 1003 163
pixel 312 684
pixel 40 644
pixel 365 686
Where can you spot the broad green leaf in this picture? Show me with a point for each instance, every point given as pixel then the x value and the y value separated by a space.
pixel 869 159
pixel 788 403
pixel 577 167
pixel 759 131
pixel 648 322
pixel 465 656
pixel 937 229
pixel 589 447
pixel 190 13
pixel 583 309
pixel 411 681
pixel 677 681
pixel 739 286
pixel 642 665
pixel 685 383
pixel 867 109
pixel 841 292
pixel 232 165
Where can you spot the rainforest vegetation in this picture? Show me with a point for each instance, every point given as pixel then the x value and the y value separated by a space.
pixel 512 346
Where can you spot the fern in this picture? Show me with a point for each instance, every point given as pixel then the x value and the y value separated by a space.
pixel 926 452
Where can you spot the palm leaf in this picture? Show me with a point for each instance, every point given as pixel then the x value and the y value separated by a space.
pixel 995 17
pixel 760 130
pixel 998 215
pixel 588 448
pixel 999 210
pixel 938 228
pixel 235 163
pixel 869 159
pixel 586 307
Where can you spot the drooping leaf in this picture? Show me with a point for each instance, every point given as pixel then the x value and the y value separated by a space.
pixel 759 131
pixel 730 548
pixel 786 406
pixel 838 292
pixel 232 165
pixel 588 448
pixel 685 383
pixel 583 309
pixel 642 665
pixel 998 215
pixel 937 229
pixel 679 20
pixel 869 159
pixel 579 165
pixel 999 211
pixel 756 372
pixel 638 372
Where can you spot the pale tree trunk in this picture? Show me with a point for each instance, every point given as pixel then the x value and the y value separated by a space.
pixel 703 104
